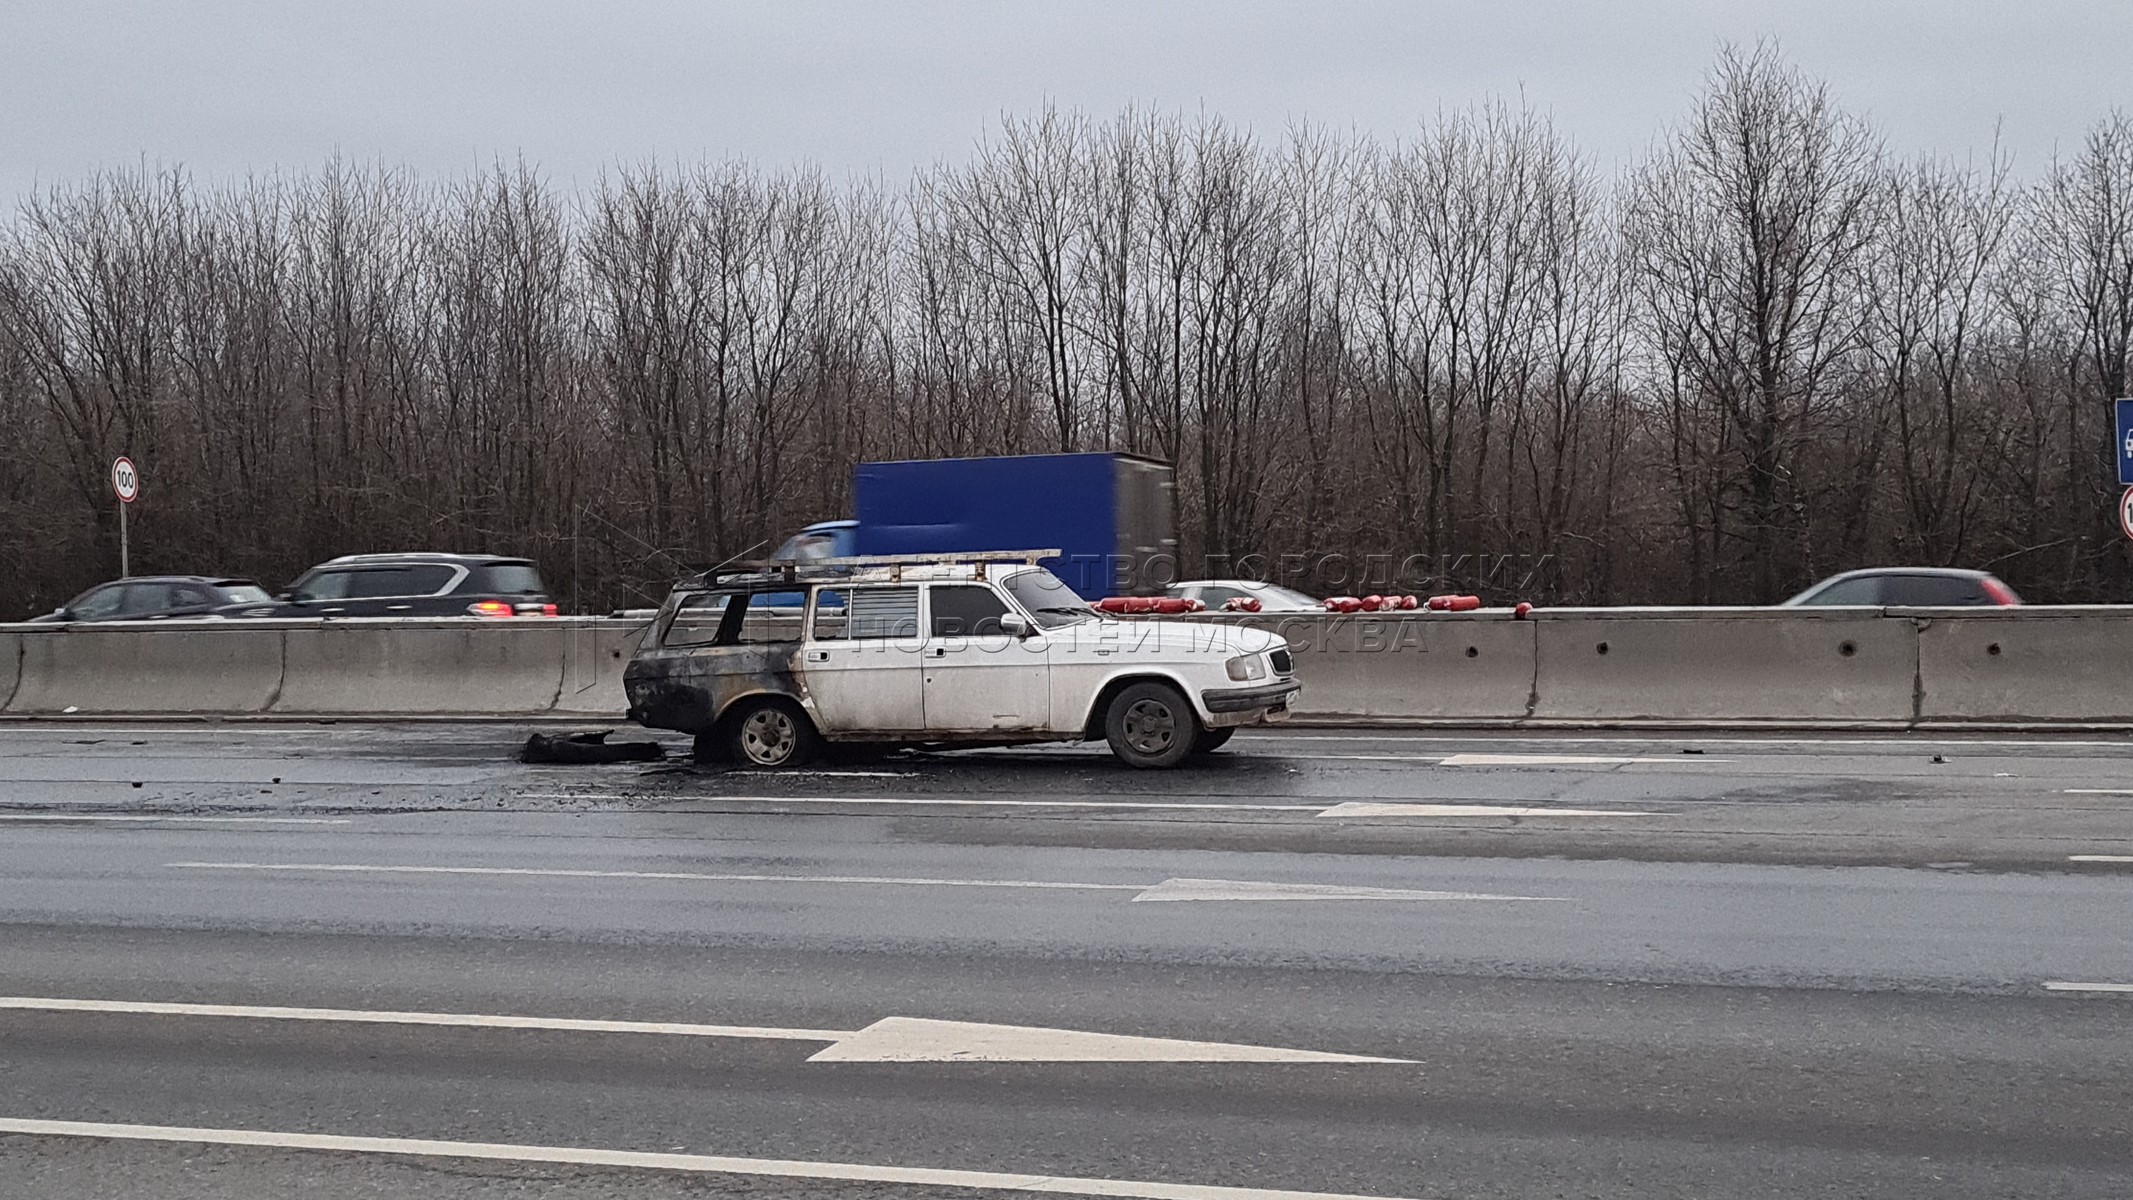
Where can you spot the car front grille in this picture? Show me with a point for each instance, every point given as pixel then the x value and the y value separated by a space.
pixel 1283 664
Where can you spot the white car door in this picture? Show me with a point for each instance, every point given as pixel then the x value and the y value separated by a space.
pixel 977 677
pixel 860 661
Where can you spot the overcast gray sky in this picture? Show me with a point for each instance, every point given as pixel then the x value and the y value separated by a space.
pixel 444 86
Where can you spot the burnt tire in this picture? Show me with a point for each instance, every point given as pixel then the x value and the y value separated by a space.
pixel 770 733
pixel 1211 740
pixel 1150 726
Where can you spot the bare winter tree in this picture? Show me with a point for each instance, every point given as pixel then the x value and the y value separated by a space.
pixel 1747 234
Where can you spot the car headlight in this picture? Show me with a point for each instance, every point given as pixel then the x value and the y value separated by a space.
pixel 1246 667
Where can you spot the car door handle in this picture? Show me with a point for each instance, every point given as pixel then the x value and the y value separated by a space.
pixel 818 656
pixel 398 607
pixel 939 651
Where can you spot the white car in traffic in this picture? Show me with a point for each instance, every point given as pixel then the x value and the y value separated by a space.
pixel 1214 593
pixel 946 653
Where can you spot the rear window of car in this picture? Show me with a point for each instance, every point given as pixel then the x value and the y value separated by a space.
pixel 244 594
pixel 507 579
pixel 865 613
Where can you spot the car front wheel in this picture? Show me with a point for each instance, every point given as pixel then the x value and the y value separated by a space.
pixel 771 733
pixel 1149 725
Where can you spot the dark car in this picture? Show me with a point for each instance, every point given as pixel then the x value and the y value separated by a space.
pixel 158 598
pixel 1909 587
pixel 413 585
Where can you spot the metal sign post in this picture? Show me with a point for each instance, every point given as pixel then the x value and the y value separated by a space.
pixel 126 485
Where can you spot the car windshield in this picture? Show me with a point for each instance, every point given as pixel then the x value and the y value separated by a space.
pixel 1051 603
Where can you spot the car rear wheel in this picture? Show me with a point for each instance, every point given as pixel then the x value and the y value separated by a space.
pixel 1149 725
pixel 771 733
pixel 1211 740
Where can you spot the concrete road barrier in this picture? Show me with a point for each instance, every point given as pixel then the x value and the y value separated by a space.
pixel 1830 668
pixel 1722 665
pixel 10 667
pixel 1415 667
pixel 2066 665
pixel 167 668
pixel 455 666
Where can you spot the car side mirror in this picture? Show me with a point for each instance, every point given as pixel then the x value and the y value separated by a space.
pixel 1015 625
pixel 62 613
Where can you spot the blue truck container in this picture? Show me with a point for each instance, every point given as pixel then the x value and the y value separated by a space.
pixel 1113 517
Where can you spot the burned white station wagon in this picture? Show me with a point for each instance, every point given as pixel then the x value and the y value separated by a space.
pixel 973 650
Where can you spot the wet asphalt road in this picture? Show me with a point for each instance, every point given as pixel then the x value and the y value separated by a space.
pixel 1614 966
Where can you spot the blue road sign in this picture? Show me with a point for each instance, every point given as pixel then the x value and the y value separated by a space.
pixel 2125 441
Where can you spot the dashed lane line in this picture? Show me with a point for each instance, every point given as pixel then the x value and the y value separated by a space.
pixel 1340 810
pixel 68 818
pixel 958 802
pixel 2059 985
pixel 2100 858
pixel 1168 889
pixel 692 1164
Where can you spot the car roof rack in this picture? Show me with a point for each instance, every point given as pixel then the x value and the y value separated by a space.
pixel 772 574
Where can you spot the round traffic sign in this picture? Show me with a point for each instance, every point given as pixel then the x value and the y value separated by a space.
pixel 125 480
pixel 2125 512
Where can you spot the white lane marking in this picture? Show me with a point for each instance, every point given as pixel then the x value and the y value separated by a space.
pixel 1374 808
pixel 1169 889
pixel 142 817
pixel 2041 742
pixel 2098 792
pixel 2058 985
pixel 830 774
pixel 697 876
pixel 377 1017
pixel 2100 858
pixel 942 802
pixel 700 1164
pixel 1563 760
pixel 891 1039
pixel 1244 889
pixel 911 1039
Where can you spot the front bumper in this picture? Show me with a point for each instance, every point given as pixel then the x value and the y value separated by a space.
pixel 1278 696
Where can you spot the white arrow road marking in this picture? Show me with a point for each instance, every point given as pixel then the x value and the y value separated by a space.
pixel 1169 889
pixel 910 1039
pixel 1239 889
pixel 2062 986
pixel 700 1164
pixel 891 1039
pixel 57 816
pixel 1371 808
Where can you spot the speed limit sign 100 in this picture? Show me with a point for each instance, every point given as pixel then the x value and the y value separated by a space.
pixel 125 481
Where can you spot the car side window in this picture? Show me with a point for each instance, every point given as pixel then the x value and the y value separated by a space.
pixel 184 595
pixel 142 599
pixel 966 610
pixel 99 604
pixel 1931 591
pixel 1865 590
pixel 887 612
pixel 326 585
